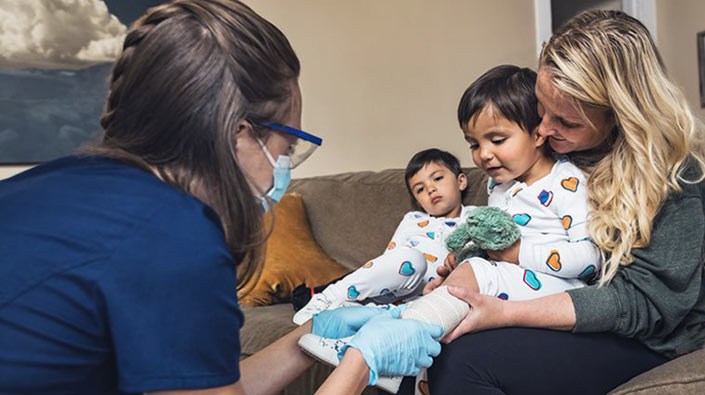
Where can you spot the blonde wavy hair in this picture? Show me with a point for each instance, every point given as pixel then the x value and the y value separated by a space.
pixel 607 60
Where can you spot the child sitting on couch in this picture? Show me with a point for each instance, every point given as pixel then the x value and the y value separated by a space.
pixel 546 198
pixel 436 184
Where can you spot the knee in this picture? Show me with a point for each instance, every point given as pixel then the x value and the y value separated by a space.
pixel 462 365
pixel 413 262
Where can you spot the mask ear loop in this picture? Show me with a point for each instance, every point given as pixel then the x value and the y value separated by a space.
pixel 264 200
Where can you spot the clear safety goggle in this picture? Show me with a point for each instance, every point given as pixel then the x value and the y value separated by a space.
pixel 304 146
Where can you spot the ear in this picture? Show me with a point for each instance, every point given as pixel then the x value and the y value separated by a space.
pixel 243 136
pixel 538 138
pixel 462 181
pixel 243 128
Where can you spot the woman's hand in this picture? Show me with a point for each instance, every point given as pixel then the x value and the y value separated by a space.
pixel 346 321
pixel 485 312
pixel 509 254
pixel 393 347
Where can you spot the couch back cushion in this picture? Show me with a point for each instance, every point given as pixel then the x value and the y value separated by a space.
pixel 353 215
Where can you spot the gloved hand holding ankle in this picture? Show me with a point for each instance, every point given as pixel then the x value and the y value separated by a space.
pixel 394 347
pixel 346 321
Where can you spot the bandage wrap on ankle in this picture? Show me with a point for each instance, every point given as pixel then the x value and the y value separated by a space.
pixel 438 307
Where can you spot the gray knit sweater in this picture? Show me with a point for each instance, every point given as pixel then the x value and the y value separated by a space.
pixel 660 298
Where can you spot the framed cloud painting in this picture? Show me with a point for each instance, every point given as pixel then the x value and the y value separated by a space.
pixel 54 64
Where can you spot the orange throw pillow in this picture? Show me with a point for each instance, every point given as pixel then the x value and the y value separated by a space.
pixel 293 256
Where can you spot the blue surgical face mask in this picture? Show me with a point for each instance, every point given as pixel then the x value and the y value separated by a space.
pixel 281 177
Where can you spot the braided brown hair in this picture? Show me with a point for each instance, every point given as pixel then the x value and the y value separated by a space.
pixel 189 73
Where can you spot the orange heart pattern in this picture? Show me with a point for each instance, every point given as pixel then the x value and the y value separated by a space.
pixel 423 387
pixel 423 223
pixel 554 261
pixel 430 258
pixel 391 245
pixel 566 220
pixel 368 265
pixel 570 184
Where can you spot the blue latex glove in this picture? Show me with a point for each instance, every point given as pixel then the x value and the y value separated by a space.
pixel 346 321
pixel 395 347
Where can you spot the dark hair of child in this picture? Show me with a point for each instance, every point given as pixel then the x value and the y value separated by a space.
pixel 510 89
pixel 423 158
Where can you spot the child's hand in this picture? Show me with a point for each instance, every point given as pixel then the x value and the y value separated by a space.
pixel 509 255
pixel 451 261
pixel 442 272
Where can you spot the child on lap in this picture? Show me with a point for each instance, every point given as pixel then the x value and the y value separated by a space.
pixel 436 184
pixel 546 198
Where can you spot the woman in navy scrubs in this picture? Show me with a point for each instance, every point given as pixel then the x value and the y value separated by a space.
pixel 120 265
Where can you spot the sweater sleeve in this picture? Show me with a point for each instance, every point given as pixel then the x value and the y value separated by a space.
pixel 650 298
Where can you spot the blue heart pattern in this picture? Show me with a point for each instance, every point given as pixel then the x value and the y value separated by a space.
pixel 503 296
pixel 406 269
pixel 451 224
pixel 546 197
pixel 387 294
pixel 353 292
pixel 414 243
pixel 521 219
pixel 431 235
pixel 531 280
pixel 588 271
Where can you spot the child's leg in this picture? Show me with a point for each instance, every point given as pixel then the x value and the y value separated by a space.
pixel 387 278
pixel 439 306
pixel 464 276
pixel 509 281
pixel 435 253
pixel 390 276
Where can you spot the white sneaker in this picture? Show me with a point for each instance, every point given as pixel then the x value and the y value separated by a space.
pixel 318 303
pixel 326 350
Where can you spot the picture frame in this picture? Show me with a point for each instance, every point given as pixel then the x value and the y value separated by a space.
pixel 55 78
pixel 701 66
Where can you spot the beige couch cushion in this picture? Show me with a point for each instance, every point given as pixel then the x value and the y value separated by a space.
pixel 682 376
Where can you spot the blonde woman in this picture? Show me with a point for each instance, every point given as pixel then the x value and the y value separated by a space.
pixel 606 101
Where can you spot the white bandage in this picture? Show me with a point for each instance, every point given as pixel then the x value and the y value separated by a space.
pixel 438 307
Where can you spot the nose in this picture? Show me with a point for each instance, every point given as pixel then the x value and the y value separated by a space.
pixel 486 154
pixel 545 128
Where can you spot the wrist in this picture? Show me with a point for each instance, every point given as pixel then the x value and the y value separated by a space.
pixel 366 356
pixel 353 358
pixel 510 313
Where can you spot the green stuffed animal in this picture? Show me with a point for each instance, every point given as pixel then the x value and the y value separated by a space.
pixel 486 228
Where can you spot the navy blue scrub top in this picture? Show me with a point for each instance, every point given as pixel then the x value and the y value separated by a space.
pixel 112 281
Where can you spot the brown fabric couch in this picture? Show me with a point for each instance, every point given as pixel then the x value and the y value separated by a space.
pixel 353 216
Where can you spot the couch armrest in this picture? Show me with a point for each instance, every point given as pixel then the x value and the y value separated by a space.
pixel 683 376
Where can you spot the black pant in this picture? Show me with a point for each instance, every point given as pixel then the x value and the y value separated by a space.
pixel 536 361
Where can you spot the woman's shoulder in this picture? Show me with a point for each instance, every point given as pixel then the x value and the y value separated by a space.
pixel 100 199
pixel 691 180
